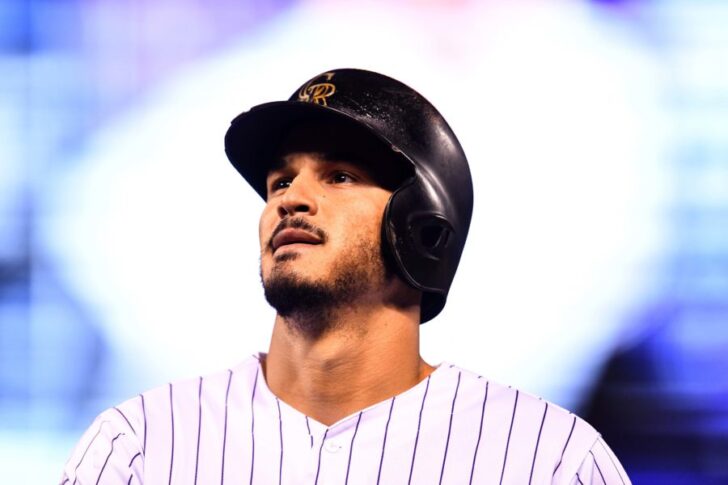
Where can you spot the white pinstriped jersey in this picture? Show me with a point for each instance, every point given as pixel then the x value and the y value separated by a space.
pixel 454 427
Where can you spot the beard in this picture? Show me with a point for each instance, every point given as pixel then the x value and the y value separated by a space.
pixel 309 306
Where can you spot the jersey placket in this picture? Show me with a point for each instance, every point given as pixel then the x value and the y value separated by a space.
pixel 332 450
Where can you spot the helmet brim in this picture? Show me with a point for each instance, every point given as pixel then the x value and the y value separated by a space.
pixel 254 137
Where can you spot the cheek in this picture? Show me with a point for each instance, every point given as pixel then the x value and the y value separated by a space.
pixel 266 225
pixel 375 210
pixel 365 225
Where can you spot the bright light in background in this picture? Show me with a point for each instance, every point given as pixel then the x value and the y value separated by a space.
pixel 596 133
pixel 158 232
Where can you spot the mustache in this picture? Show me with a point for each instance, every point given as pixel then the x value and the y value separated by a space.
pixel 297 223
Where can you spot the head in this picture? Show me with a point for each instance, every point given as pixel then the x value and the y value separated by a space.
pixel 320 232
pixel 424 220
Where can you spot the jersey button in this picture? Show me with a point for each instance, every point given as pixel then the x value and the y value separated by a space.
pixel 332 447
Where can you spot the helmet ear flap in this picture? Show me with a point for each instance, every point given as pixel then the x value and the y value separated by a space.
pixel 422 244
pixel 431 235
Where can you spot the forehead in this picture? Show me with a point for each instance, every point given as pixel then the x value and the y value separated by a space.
pixel 337 141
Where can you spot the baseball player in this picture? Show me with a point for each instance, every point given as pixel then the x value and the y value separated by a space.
pixel 368 203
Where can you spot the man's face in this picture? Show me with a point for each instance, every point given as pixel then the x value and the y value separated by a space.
pixel 320 231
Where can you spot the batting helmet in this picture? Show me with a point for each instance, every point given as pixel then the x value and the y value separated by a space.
pixel 426 220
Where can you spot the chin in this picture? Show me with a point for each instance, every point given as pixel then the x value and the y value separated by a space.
pixel 286 256
pixel 290 266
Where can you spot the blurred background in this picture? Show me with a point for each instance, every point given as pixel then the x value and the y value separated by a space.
pixel 596 273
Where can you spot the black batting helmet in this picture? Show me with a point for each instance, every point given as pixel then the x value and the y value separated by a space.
pixel 426 220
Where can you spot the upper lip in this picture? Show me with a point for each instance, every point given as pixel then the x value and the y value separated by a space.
pixel 292 236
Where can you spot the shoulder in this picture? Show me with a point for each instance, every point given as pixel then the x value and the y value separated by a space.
pixel 126 435
pixel 211 388
pixel 511 404
pixel 110 448
pixel 551 439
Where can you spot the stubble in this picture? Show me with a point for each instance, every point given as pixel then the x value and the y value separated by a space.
pixel 309 306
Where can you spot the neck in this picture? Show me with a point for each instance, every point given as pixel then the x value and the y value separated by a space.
pixel 368 356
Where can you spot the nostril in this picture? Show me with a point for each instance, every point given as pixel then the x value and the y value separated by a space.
pixel 287 210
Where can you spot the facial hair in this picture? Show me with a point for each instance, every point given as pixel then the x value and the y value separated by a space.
pixel 309 306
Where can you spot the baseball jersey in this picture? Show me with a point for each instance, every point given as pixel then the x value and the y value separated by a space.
pixel 454 427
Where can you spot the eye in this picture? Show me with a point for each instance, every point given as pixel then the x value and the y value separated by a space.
pixel 280 183
pixel 342 178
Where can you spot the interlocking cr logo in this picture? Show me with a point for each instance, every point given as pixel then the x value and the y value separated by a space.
pixel 317 92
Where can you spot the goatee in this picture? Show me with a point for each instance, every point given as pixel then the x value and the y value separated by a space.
pixel 309 306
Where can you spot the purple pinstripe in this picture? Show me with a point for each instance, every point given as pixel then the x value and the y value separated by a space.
pixel 565 445
pixel 144 413
pixel 609 455
pixel 597 465
pixel 107 458
pixel 449 427
pixel 134 458
pixel 480 432
pixel 417 436
pixel 384 442
pixel 318 467
pixel 127 421
pixel 171 454
pixel 508 441
pixel 538 440
pixel 309 431
pixel 224 432
pixel 199 427
pixel 75 471
pixel 280 432
pixel 351 449
pixel 252 426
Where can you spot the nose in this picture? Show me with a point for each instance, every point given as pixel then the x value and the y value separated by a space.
pixel 299 197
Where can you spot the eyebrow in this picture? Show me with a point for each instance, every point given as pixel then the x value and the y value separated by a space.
pixel 280 163
pixel 381 169
pixel 277 164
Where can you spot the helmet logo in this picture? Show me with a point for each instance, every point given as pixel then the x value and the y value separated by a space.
pixel 317 92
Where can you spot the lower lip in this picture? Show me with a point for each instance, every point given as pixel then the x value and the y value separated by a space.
pixel 294 246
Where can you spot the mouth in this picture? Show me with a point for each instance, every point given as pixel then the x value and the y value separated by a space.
pixel 291 236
